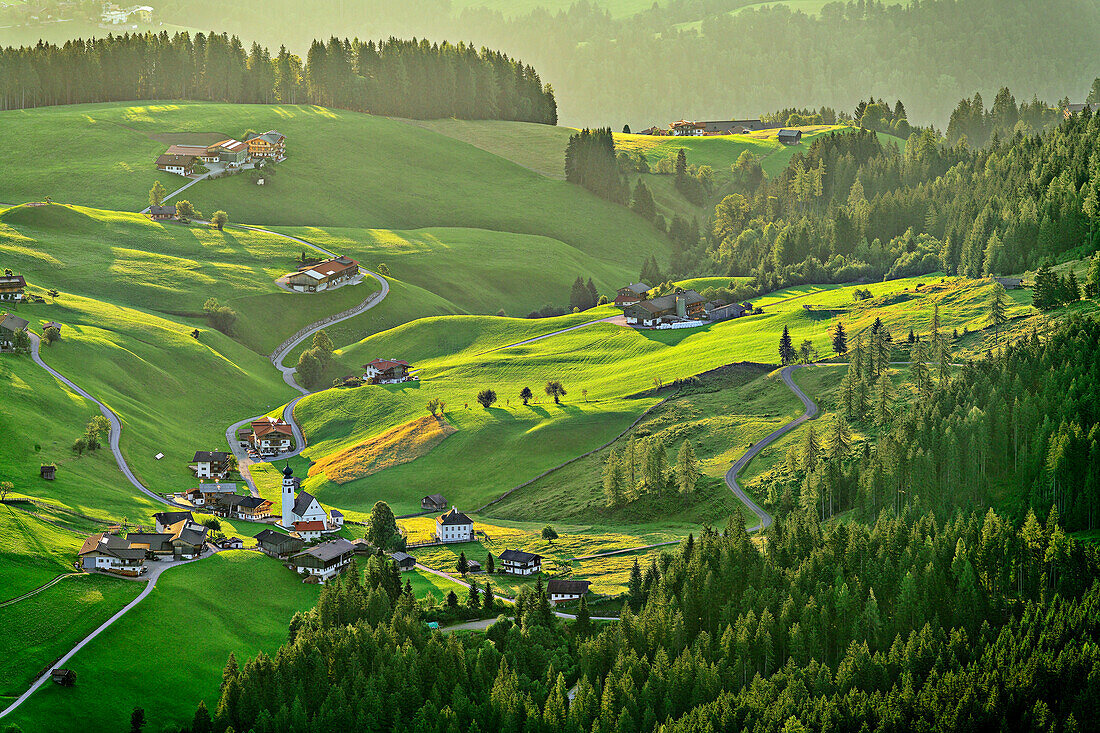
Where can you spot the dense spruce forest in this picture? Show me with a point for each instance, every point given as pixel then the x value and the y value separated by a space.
pixel 853 207
pixel 712 59
pixel 909 623
pixel 415 79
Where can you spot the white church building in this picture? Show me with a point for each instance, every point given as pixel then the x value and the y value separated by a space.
pixel 301 512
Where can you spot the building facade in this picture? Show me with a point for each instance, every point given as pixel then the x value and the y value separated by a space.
pixel 454 526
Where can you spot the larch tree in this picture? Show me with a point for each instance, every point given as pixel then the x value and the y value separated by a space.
pixel 157 194
pixel 687 468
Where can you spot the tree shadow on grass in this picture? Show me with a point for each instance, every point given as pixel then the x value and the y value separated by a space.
pixel 500 413
pixel 539 410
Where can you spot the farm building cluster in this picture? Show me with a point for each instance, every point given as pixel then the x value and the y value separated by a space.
pixel 177 536
pixel 692 128
pixel 228 154
pixel 678 309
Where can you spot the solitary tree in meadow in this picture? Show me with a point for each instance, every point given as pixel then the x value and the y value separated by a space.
pixel 549 534
pixel 219 219
pixel 840 339
pixel 52 335
pixel 487 397
pixel 6 487
pixel 435 405
pixel 157 194
pixel 186 212
pixel 555 389
pixel 786 348
pixel 382 525
pixel 463 565
pixel 526 395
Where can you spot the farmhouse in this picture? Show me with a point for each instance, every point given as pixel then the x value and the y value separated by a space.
pixel 1071 109
pixel 473 566
pixel 715 127
pixel 716 312
pixel 112 554
pixel 164 520
pixel 210 464
pixel 271 144
pixel 230 153
pixel 208 494
pixel 454 526
pixel 433 503
pixel 1009 283
pixel 790 137
pixel 386 371
pixel 63 677
pixel 268 436
pixel 404 561
pixel 326 560
pixel 631 294
pixel 278 544
pixel 9 326
pixel 183 165
pixel 183 540
pixel 195 151
pixel 323 276
pixel 12 287
pixel 560 590
pixel 162 213
pixel 230 543
pixel 518 562
pixel 248 508
pixel 682 305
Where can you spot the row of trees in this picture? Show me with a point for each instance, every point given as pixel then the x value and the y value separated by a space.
pixel 641 468
pixel 405 78
pixel 553 388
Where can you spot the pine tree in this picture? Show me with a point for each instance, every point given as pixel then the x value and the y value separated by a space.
pixel 840 339
pixel 463 565
pixel 613 480
pixel 1092 282
pixel 687 471
pixel 997 315
pixel 473 600
pixel 884 400
pixel 810 450
pixel 634 585
pixel 786 348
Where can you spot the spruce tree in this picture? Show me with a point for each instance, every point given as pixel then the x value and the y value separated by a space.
pixel 687 470
pixel 786 348
pixel 840 339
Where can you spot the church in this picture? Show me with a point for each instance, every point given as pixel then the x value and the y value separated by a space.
pixel 302 513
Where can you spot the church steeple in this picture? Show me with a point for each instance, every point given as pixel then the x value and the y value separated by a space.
pixel 290 484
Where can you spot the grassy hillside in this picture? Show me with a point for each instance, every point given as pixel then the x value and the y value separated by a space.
pixel 501 447
pixel 32 551
pixel 343 169
pixel 125 357
pixel 53 621
pixel 180 636
pixel 129 260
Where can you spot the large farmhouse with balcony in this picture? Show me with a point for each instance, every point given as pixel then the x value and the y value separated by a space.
pixel 323 276
pixel 210 464
pixel 271 144
pixel 518 562
pixel 267 436
pixel 682 306
pixel 230 153
pixel 454 526
pixel 386 371
pixel 183 165
pixel 326 560
pixel 112 554
pixel 12 287
pixel 248 508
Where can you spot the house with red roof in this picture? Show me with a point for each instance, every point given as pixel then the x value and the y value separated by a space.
pixel 386 371
pixel 323 276
pixel 268 436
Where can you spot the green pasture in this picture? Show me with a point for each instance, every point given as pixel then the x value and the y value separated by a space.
pixel 168 652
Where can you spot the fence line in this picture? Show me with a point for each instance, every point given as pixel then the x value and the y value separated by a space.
pixel 285 346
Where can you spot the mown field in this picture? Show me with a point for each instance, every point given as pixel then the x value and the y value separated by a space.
pixel 179 638
pixel 608 370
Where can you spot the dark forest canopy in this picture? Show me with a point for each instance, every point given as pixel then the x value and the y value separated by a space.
pixel 853 207
pixel 906 624
pixel 415 79
pixel 640 70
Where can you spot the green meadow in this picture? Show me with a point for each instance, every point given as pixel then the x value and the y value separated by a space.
pixel 608 370
pixel 32 550
pixel 52 622
pixel 342 169
pixel 179 638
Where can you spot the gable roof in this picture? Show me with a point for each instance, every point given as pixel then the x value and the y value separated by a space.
pixel 13 323
pixel 170 518
pixel 189 532
pixel 112 545
pixel 271 537
pixel 11 283
pixel 266 425
pixel 435 499
pixel 328 550
pixel 189 150
pixel 454 517
pixel 636 288
pixel 385 365
pixel 302 502
pixel 169 209
pixel 210 456
pixel 218 488
pixel 567 587
pixel 155 540
pixel 314 525
pixel 181 160
pixel 668 302
pixel 271 137
pixel 519 556
pixel 402 556
pixel 790 133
